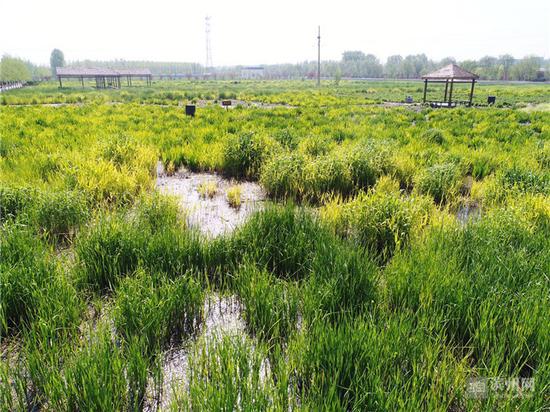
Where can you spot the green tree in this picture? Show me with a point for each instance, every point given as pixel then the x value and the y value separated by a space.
pixel 526 68
pixel 13 70
pixel 353 56
pixel 506 62
pixel 393 69
pixel 57 59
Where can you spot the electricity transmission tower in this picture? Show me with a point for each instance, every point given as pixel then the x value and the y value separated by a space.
pixel 319 57
pixel 208 66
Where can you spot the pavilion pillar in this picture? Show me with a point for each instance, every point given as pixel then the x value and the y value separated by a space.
pixel 82 81
pixel 451 93
pixel 446 88
pixel 60 83
pixel 472 91
pixel 425 90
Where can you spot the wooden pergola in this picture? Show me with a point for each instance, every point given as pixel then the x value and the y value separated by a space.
pixel 103 77
pixel 450 75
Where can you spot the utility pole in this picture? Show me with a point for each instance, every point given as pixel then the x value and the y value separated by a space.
pixel 208 64
pixel 319 57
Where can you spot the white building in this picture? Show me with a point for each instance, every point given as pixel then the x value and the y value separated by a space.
pixel 252 72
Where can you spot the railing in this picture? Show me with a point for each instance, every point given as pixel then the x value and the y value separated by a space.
pixel 10 85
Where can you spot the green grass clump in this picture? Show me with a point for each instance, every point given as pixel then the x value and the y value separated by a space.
pixel 520 179
pixel 59 214
pixel 352 366
pixel 14 201
pixel 228 373
pixel 433 136
pixel 156 212
pixel 283 239
pixel 234 196
pixel 208 189
pixel 367 161
pixel 441 181
pixel 270 304
pixel 245 153
pixel 156 309
pixel 104 376
pixel 381 220
pixel 463 280
pixel 28 278
pixel 282 174
pixel 107 251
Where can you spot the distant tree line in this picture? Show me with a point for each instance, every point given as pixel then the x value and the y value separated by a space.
pixel 13 69
pixel 356 64
pixel 353 64
pixel 157 68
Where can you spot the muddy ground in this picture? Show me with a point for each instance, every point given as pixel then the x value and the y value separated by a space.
pixel 213 216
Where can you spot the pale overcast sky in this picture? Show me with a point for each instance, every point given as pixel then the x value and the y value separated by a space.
pixel 261 32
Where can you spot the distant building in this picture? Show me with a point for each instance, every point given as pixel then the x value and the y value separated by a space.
pixel 541 75
pixel 252 72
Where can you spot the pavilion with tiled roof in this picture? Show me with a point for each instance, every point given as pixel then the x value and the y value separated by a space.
pixel 450 75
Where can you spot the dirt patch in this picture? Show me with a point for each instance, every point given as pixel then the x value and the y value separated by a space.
pixel 210 212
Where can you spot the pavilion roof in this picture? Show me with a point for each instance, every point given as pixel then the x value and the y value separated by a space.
pixel 451 71
pixel 84 71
